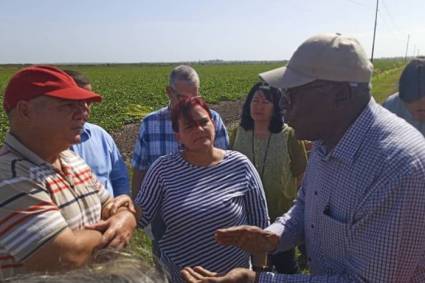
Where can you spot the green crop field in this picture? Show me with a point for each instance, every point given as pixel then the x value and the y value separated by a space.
pixel 130 91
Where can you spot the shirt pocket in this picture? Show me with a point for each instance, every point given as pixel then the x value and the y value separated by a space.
pixel 333 237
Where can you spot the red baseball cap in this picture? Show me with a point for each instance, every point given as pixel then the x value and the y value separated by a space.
pixel 37 80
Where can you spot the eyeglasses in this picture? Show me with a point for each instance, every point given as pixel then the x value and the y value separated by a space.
pixel 287 98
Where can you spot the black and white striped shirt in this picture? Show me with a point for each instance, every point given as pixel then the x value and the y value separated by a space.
pixel 194 201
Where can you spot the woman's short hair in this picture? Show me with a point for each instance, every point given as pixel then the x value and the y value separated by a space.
pixel 273 95
pixel 412 81
pixel 183 109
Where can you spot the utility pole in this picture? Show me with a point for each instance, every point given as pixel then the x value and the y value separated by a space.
pixel 374 30
pixel 407 47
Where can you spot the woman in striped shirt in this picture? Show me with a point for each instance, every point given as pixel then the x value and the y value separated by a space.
pixel 197 191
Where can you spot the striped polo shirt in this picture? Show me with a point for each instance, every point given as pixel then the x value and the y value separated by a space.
pixel 37 202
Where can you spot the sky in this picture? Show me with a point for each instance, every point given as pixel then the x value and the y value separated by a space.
pixel 133 31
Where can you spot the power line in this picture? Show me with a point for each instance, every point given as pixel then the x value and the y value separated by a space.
pixel 407 47
pixel 357 3
pixel 374 31
pixel 393 22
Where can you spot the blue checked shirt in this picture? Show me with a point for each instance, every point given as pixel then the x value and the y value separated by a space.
pixel 361 209
pixel 157 138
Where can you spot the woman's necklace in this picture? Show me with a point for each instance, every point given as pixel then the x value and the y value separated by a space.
pixel 264 157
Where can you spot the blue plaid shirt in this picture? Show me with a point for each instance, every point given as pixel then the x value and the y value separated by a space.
pixel 157 138
pixel 361 209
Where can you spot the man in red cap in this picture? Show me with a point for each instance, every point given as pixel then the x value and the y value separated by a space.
pixel 53 211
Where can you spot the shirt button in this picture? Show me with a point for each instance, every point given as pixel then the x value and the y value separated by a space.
pixel 312 226
pixel 315 193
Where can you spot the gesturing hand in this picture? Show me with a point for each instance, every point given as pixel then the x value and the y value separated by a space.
pixel 199 274
pixel 249 238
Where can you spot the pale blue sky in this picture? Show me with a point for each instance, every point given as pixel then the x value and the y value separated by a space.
pixel 61 31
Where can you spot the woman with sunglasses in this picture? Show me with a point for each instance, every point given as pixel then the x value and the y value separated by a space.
pixel 279 158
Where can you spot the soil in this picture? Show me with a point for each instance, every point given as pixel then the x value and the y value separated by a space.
pixel 126 137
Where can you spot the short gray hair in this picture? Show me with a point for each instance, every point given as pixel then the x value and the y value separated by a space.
pixel 184 73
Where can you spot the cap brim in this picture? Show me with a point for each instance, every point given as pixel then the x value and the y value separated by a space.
pixel 75 93
pixel 284 77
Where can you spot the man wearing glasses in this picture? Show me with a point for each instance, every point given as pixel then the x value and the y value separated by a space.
pixel 360 209
pixel 157 138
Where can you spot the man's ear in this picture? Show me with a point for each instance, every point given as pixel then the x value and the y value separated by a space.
pixel 23 110
pixel 169 92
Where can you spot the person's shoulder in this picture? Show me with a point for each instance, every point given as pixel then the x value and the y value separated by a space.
pixel 215 115
pixel 397 140
pixel 155 119
pixel 169 158
pixel 12 164
pixel 164 162
pixel 393 102
pixel 287 131
pixel 99 134
pixel 94 128
pixel 391 98
pixel 241 163
pixel 241 129
pixel 233 155
pixel 386 124
pixel 156 115
pixel 240 132
pixel 286 134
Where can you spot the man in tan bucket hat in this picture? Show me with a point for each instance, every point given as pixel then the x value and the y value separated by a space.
pixel 360 208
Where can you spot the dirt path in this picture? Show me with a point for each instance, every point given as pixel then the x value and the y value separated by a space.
pixel 125 138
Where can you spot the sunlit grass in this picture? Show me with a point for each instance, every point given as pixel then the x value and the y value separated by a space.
pixel 386 83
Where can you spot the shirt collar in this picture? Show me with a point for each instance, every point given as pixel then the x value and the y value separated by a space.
pixel 85 133
pixel 166 112
pixel 353 138
pixel 13 143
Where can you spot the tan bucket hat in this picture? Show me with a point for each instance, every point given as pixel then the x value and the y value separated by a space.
pixel 329 56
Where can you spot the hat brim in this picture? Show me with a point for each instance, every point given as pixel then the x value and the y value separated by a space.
pixel 285 77
pixel 75 93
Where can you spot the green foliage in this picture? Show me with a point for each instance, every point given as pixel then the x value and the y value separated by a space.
pixel 141 245
pixel 132 91
pixel 138 110
pixel 386 83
